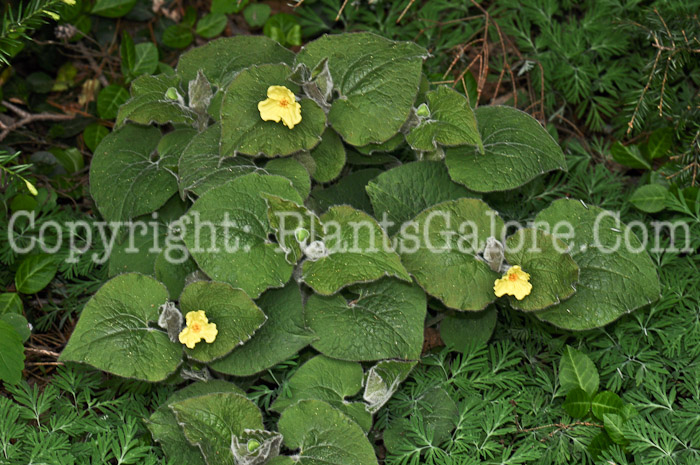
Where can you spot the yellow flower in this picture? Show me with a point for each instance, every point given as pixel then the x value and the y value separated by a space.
pixel 515 282
pixel 281 104
pixel 53 15
pixel 69 2
pixel 198 328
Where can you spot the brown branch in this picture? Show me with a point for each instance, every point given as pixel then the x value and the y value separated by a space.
pixel 405 10
pixel 48 353
pixel 340 12
pixel 27 118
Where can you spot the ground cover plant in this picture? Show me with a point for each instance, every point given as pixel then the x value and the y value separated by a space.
pixel 353 250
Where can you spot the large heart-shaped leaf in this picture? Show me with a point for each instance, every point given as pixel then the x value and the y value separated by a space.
pixel 450 122
pixel 516 150
pixel 440 249
pixel 231 243
pixel 116 331
pixel 383 320
pixel 164 427
pixel 617 276
pixel 126 178
pixel 235 315
pixel 292 170
pixel 376 81
pixel 210 421
pixel 283 335
pixel 553 273
pixel 349 190
pixel 358 251
pixel 403 192
pixel 149 103
pixel 221 59
pixel 324 435
pixel 201 166
pixel 328 157
pixel 329 380
pixel 461 331
pixel 244 131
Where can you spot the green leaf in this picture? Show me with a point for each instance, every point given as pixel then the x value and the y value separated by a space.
pixel 177 36
pixel 577 403
pixel 650 198
pixel 127 51
pixel 614 426
pixel 283 335
pixel 576 370
pixel 381 320
pixel 93 135
pixel 553 273
pixel 244 131
pixel 153 106
pixel 109 99
pixel 606 402
pixel 209 421
pixel 348 190
pixel 462 330
pixel 377 80
pixel 256 14
pixel 403 192
pixel 116 331
pixel 324 435
pixel 172 145
pixel 11 354
pixel 240 52
pixel 145 59
pixel 35 273
pixel 660 142
pixel 328 157
pixel 376 149
pixel 251 262
pixel 125 179
pixel 286 219
pixel 357 252
pixel 137 252
pixel 438 412
pixel 443 259
pixel 211 25
pixel 450 122
pixel 614 279
pixel 10 302
pixel 517 149
pixel 329 380
pixel 71 159
pixel 292 170
pixel 236 317
pixel 382 381
pixel 19 322
pixel 201 167
pixel 173 271
pixel 164 427
pixel 112 8
pixel 227 6
pixel 629 155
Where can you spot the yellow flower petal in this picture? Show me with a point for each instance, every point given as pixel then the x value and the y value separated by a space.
pixel 198 328
pixel 515 282
pixel 269 110
pixel 281 105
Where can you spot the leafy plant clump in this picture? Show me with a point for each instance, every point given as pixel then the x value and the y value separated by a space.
pixel 290 224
